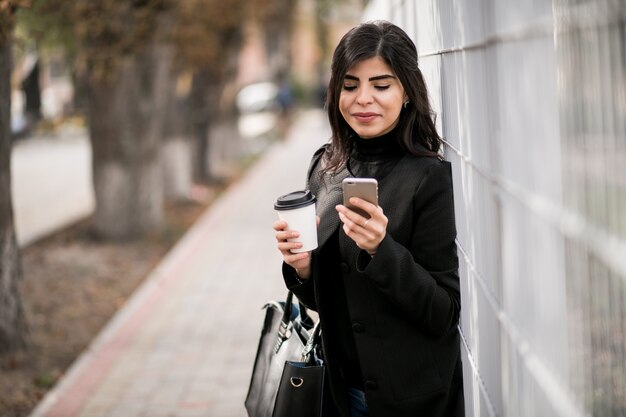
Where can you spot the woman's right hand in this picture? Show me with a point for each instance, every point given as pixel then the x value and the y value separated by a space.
pixel 301 262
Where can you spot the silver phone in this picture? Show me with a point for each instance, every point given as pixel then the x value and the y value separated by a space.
pixel 363 188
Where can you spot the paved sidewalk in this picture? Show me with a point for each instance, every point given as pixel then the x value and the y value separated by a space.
pixel 184 344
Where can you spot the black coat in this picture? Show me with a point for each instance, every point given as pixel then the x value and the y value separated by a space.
pixel 403 303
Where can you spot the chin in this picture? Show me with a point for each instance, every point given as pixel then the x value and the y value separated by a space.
pixel 368 133
pixel 371 131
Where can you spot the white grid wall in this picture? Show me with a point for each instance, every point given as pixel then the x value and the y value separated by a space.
pixel 531 100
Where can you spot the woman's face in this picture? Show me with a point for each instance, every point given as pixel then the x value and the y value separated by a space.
pixel 371 98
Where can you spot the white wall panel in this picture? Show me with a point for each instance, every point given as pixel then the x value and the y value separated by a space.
pixel 428 26
pixel 531 101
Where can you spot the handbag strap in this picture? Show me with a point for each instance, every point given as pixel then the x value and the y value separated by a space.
pixel 287 308
pixel 286 325
pixel 312 343
pixel 288 311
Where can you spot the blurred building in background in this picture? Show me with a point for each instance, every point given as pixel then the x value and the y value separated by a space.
pixel 531 100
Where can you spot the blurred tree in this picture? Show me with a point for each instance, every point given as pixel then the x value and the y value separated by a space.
pixel 276 18
pixel 207 39
pixel 12 321
pixel 132 57
pixel 321 22
pixel 122 61
pixel 126 67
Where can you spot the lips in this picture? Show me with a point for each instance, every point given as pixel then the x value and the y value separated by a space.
pixel 365 117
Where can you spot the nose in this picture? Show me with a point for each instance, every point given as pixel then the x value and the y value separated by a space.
pixel 364 96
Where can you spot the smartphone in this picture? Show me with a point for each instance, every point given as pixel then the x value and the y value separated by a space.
pixel 363 188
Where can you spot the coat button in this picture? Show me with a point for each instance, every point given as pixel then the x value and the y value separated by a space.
pixel 371 385
pixel 358 327
pixel 345 268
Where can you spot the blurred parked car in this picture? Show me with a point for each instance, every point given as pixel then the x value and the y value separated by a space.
pixel 258 108
pixel 257 97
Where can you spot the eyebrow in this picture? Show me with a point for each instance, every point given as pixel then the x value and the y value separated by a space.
pixel 376 78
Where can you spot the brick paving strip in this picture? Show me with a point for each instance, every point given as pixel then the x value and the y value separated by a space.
pixel 184 344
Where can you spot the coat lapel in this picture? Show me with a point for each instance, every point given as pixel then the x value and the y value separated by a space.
pixel 329 194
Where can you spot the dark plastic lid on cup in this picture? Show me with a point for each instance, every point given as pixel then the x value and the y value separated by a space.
pixel 294 200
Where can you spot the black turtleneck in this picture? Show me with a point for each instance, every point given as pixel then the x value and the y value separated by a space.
pixel 375 157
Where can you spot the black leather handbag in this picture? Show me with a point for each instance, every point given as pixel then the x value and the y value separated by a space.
pixel 288 374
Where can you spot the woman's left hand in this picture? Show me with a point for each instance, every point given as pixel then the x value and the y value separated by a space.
pixel 366 233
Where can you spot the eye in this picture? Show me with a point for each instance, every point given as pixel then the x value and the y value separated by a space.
pixel 381 87
pixel 349 87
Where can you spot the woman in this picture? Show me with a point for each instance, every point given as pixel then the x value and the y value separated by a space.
pixel 386 288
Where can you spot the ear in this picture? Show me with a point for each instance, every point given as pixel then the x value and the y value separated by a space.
pixel 405 100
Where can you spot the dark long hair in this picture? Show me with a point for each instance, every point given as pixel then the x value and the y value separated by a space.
pixel 416 127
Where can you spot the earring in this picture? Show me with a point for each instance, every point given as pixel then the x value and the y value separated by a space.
pixel 406 104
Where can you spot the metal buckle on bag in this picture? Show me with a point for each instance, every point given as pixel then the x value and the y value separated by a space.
pixel 284 332
pixel 306 352
pixel 310 344
pixel 296 382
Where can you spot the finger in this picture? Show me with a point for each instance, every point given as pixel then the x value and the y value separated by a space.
pixel 351 216
pixel 280 225
pixel 355 230
pixel 376 222
pixel 284 235
pixel 346 219
pixel 362 239
pixel 317 218
pixel 371 209
pixel 288 246
pixel 366 243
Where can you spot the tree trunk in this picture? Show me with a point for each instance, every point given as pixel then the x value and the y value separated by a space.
pixel 12 320
pixel 278 37
pixel 177 145
pixel 223 149
pixel 224 137
pixel 322 29
pixel 199 122
pixel 126 123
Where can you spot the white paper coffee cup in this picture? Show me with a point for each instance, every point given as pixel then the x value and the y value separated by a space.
pixel 298 210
